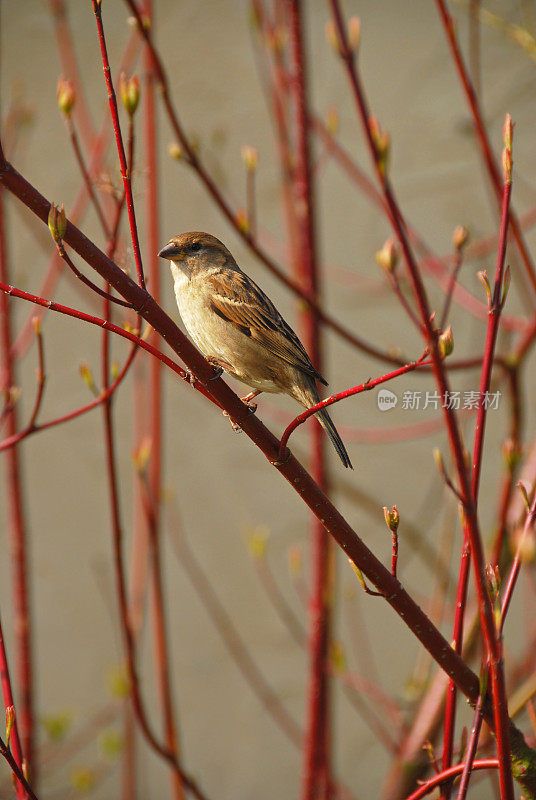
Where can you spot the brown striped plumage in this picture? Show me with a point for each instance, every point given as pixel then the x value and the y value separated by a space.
pixel 236 326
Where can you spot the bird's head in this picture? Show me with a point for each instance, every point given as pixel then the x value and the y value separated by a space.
pixel 195 251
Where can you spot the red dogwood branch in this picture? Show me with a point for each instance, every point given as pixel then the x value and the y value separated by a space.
pixel 17 759
pixel 447 774
pixel 496 303
pixel 482 137
pixel 493 647
pixel 363 387
pixel 125 174
pixel 291 470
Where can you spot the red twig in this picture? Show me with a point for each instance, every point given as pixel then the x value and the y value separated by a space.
pixel 448 774
pixel 363 387
pixel 17 757
pixel 85 176
pixel 516 566
pixel 125 174
pixel 102 323
pixel 316 746
pixel 470 753
pixel 394 554
pixel 155 410
pixel 86 281
pixel 496 302
pixel 493 647
pixel 30 425
pixel 67 54
pixel 482 137
pixel 78 412
pixel 17 529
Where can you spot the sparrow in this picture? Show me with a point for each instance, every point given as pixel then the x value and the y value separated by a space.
pixel 237 327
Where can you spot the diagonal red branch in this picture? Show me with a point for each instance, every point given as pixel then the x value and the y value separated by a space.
pixel 482 136
pixel 448 774
pixel 30 425
pixel 9 702
pixel 102 323
pixel 494 313
pixel 316 755
pixel 493 647
pixel 86 281
pixel 291 470
pixel 363 387
pixel 516 566
pixel 125 174
pixel 78 412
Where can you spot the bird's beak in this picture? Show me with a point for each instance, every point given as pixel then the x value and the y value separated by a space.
pixel 172 252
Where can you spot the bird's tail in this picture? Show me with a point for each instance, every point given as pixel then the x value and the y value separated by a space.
pixel 326 422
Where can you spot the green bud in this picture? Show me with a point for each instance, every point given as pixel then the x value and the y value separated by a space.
pixel 57 222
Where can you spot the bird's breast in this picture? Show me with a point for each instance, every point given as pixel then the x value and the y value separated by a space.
pixel 218 339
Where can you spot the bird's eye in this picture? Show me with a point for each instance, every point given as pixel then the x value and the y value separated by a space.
pixel 195 246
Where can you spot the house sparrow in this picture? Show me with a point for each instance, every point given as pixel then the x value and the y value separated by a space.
pixel 238 329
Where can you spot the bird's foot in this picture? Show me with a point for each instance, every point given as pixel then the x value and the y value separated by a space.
pixel 219 367
pixel 248 398
pixel 218 371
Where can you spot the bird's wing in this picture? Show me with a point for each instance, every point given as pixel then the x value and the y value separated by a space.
pixel 238 300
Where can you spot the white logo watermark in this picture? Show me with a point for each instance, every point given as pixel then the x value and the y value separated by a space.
pixel 386 400
pixel 420 401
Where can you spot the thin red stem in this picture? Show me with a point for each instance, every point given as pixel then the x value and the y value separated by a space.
pixel 478 446
pixel 30 425
pixel 125 174
pixel 7 694
pixel 394 553
pixel 155 410
pixel 17 527
pixel 335 398
pixel 78 412
pixel 516 566
pixel 470 752
pixel 137 701
pixel 86 177
pixel 448 774
pixel 86 281
pixel 482 137
pixel 102 323
pixel 456 445
pixel 316 766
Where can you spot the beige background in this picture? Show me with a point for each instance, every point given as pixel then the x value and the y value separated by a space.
pixel 221 485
